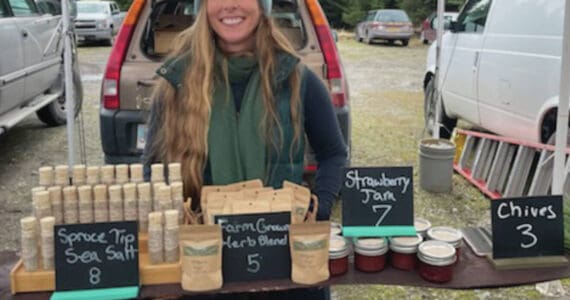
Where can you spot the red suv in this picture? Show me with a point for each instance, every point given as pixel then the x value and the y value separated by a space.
pixel 146 37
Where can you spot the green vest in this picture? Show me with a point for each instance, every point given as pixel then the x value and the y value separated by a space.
pixel 283 165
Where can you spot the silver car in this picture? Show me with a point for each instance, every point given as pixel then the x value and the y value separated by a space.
pixel 385 24
pixel 31 65
pixel 98 21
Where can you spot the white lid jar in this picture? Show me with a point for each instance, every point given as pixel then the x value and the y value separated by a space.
pixel 449 235
pixel 406 244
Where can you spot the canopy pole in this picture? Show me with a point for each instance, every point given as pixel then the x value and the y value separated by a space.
pixel 438 105
pixel 559 175
pixel 68 71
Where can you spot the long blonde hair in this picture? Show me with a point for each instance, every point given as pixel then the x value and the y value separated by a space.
pixel 183 133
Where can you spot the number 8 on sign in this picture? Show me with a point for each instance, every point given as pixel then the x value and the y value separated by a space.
pixel 94 276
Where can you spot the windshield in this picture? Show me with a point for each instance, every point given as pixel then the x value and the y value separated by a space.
pixel 393 16
pixel 89 7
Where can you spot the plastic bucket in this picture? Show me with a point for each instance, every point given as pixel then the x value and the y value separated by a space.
pixel 436 165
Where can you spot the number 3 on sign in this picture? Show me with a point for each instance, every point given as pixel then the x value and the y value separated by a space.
pixel 253 264
pixel 380 208
pixel 526 231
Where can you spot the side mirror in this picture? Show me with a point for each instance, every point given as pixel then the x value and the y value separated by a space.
pixel 453 26
pixel 335 35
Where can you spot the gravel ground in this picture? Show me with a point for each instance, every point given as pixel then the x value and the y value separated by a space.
pixel 387 100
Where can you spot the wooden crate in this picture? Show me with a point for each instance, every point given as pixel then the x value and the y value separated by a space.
pixel 158 274
pixel 38 281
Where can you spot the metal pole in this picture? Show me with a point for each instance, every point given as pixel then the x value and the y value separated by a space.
pixel 440 11
pixel 562 119
pixel 68 71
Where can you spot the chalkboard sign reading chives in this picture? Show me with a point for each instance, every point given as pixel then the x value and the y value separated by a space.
pixel 256 246
pixel 378 201
pixel 96 256
pixel 527 227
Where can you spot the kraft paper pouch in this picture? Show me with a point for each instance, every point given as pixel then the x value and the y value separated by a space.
pixel 206 191
pixel 254 193
pixel 220 203
pixel 281 200
pixel 301 202
pixel 257 206
pixel 309 245
pixel 201 249
pixel 244 185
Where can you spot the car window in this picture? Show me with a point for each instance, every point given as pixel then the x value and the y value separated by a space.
pixel 392 16
pixel 91 7
pixel 22 8
pixel 474 16
pixel 3 10
pixel 168 18
pixel 370 16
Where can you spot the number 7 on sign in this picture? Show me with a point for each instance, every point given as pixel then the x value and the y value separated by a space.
pixel 380 208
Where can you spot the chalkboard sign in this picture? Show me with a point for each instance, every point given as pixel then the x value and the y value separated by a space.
pixel 96 256
pixel 378 201
pixel 527 227
pixel 256 246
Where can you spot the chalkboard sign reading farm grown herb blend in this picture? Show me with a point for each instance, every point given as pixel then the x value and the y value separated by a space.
pixel 378 201
pixel 255 246
pixel 96 256
pixel 527 227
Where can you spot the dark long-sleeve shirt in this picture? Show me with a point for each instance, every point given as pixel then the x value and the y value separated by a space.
pixel 323 133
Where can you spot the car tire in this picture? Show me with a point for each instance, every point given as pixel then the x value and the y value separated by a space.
pixel 54 114
pixel 446 124
pixel 405 42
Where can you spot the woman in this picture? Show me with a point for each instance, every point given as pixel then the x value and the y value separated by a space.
pixel 234 103
pixel 234 54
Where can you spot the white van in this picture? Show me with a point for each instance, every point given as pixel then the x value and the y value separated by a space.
pixel 500 68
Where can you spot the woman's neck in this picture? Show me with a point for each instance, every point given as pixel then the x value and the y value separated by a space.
pixel 245 47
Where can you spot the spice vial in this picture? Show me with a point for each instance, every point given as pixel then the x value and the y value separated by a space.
pixel 422 226
pixel 436 261
pixel 449 235
pixel 338 255
pixel 370 254
pixel 336 228
pixel 404 250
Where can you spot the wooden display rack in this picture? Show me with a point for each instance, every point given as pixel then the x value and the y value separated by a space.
pixel 22 281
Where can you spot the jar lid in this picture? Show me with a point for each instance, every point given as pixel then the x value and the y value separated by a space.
pixel 422 225
pixel 436 253
pixel 371 246
pixel 406 244
pixel 338 247
pixel 445 234
pixel 336 228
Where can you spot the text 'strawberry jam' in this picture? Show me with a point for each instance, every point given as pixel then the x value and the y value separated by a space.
pixel 436 261
pixel 370 254
pixel 338 255
pixel 404 250
pixel 449 235
pixel 422 226
pixel 336 228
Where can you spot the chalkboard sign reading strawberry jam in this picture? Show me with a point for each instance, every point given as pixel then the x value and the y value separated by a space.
pixel 378 201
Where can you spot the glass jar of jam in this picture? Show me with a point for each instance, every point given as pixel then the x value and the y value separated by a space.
pixel 370 254
pixel 436 261
pixel 403 252
pixel 449 235
pixel 422 226
pixel 336 228
pixel 338 255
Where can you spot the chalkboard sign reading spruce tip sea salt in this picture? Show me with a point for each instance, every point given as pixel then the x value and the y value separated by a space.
pixel 527 227
pixel 255 246
pixel 96 256
pixel 378 201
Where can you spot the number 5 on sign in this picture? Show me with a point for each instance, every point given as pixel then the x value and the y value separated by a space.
pixel 383 210
pixel 253 263
pixel 526 230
